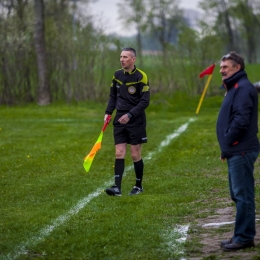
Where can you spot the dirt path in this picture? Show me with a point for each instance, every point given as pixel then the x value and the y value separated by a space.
pixel 207 238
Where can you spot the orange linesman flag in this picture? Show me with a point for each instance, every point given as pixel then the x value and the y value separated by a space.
pixel 207 71
pixel 97 146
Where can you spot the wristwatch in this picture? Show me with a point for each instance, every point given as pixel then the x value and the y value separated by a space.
pixel 129 115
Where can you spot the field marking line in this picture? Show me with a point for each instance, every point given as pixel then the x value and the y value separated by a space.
pixel 21 249
pixel 183 231
pixel 217 224
pixel 220 224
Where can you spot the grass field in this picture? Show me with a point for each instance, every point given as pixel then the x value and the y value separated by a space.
pixel 52 209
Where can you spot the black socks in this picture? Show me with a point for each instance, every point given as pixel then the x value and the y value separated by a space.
pixel 119 170
pixel 139 169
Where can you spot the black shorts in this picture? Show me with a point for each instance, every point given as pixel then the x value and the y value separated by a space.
pixel 134 132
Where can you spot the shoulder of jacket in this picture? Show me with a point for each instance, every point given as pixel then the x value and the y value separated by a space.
pixel 245 87
pixel 141 72
pixel 143 75
pixel 119 71
pixel 118 74
pixel 244 83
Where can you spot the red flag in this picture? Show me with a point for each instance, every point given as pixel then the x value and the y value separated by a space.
pixel 207 71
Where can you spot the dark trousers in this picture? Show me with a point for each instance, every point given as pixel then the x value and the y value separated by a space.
pixel 242 191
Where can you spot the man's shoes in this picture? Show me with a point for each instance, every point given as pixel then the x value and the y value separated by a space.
pixel 235 246
pixel 136 190
pixel 226 242
pixel 113 191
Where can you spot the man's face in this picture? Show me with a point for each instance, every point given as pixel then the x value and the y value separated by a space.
pixel 228 68
pixel 127 60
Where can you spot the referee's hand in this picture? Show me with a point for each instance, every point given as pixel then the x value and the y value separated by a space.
pixel 124 119
pixel 105 118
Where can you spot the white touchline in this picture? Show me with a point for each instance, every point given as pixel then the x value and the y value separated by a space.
pixel 183 231
pixel 220 224
pixel 168 138
pixel 217 224
pixel 21 249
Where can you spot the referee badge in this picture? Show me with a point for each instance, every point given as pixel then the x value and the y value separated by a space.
pixel 131 89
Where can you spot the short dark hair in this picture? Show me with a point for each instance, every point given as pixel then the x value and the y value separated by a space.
pixel 236 58
pixel 132 50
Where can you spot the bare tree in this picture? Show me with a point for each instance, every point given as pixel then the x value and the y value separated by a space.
pixel 251 25
pixel 44 97
pixel 237 24
pixel 218 11
pixel 226 17
pixel 164 19
pixel 134 13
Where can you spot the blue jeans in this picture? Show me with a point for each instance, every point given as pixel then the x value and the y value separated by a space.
pixel 242 191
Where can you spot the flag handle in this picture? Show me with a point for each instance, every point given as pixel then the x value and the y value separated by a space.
pixel 203 93
pixel 106 123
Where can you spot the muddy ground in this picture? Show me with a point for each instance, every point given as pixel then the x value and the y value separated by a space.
pixel 207 238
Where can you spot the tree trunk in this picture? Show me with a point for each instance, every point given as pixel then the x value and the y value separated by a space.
pixel 250 24
pixel 231 45
pixel 44 97
pixel 139 47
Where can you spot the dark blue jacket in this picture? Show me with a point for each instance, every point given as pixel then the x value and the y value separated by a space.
pixel 237 123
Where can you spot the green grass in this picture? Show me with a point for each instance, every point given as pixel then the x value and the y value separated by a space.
pixel 42 179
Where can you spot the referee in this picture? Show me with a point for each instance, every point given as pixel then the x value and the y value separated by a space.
pixel 130 96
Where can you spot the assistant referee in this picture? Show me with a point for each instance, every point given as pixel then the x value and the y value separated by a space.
pixel 130 96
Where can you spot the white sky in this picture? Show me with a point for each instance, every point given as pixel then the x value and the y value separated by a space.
pixel 106 14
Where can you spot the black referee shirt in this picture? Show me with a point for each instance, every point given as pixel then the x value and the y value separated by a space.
pixel 129 92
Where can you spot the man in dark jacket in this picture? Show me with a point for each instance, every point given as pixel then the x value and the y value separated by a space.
pixel 237 128
pixel 130 96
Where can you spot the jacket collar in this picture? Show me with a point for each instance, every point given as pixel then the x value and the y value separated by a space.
pixel 231 81
pixel 131 72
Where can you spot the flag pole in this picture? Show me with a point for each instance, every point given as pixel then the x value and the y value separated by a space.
pixel 203 93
